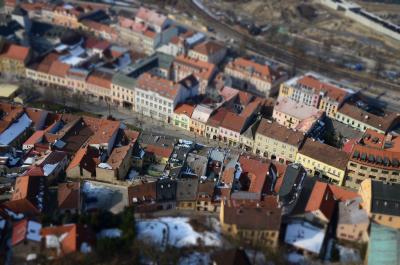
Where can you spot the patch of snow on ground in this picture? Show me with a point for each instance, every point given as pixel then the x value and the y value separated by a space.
pixel 294 257
pixel 100 192
pixel 175 231
pixel 110 233
pixel 86 248
pixel 305 236
pixel 349 255
pixel 195 258
pixel 132 174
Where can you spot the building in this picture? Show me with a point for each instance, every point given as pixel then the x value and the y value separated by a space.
pixel 143 197
pixel 29 196
pixel 353 221
pixel 209 51
pixel 214 122
pixel 14 58
pixel 69 197
pixel 25 240
pixel 293 115
pixel 199 118
pixel 275 141
pixel 256 224
pixel 317 91
pixel 148 30
pixel 117 165
pixel 381 201
pixel 158 97
pixel 374 156
pixel 98 85
pixel 182 114
pixel 184 66
pixel 383 245
pixel 323 161
pixel 59 241
pixel 123 91
pixel 254 77
pixel 361 120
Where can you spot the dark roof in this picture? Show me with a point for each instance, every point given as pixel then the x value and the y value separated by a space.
pixel 385 198
pixel 280 133
pixel 292 173
pixel 231 257
pixel 325 153
pixel 19 11
pixel 265 217
pixel 69 195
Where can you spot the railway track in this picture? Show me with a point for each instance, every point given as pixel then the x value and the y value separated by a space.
pixel 289 57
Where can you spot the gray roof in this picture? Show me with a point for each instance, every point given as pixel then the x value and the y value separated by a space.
pixel 351 213
pixel 124 81
pixel 292 172
pixel 385 198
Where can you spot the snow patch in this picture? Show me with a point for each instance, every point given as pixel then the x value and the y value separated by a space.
pixel 175 231
pixel 305 236
pixel 110 233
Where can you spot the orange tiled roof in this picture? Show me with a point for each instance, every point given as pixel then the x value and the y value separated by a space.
pixel 201 69
pixel 322 199
pixel 208 47
pixel 100 79
pixel 263 72
pixel 164 152
pixel 257 171
pixel 233 122
pixel 157 84
pixel 59 69
pixel 332 91
pixel 184 108
pixel 15 52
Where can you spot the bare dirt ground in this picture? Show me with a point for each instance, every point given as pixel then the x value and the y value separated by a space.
pixel 328 26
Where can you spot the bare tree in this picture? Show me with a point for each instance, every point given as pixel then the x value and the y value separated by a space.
pixel 77 98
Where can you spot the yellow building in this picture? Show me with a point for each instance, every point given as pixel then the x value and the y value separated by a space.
pixel 251 223
pixel 182 115
pixel 13 59
pixel 361 120
pixel 375 156
pixel 317 91
pixel 275 141
pixel 323 161
pixel 199 118
pixel 381 201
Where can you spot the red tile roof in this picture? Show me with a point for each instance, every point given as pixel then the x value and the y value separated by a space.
pixel 257 172
pixel 157 84
pixel 201 69
pixel 233 122
pixel 208 47
pixel 256 70
pixel 35 138
pixel 74 236
pixel 184 108
pixel 69 195
pixel 322 199
pixel 100 79
pixel 333 92
pixel 15 52
pixel 249 216
pixel 19 231
pixel 160 151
